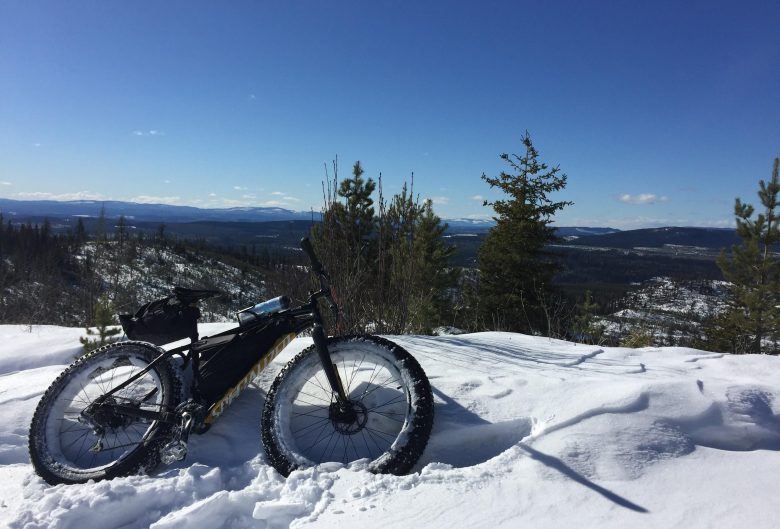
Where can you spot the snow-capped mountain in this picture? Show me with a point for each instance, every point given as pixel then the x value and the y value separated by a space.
pixel 145 212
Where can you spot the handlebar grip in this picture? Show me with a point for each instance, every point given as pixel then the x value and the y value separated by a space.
pixel 307 248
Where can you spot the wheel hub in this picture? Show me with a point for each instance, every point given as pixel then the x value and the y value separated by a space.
pixel 348 418
pixel 101 414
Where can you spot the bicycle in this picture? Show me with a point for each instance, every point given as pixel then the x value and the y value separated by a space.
pixel 131 405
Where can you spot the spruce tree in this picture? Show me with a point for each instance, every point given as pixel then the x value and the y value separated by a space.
pixel 752 322
pixel 584 325
pixel 434 278
pixel 388 270
pixel 81 232
pixel 346 245
pixel 104 319
pixel 514 269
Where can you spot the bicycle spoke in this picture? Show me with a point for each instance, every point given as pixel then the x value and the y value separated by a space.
pixel 310 425
pixel 393 401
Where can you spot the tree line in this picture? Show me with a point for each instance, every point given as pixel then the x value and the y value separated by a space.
pixel 393 272
pixel 391 267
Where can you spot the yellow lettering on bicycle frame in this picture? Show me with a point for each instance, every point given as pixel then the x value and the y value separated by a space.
pixel 220 406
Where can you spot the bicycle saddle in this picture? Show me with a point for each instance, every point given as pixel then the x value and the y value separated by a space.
pixel 189 295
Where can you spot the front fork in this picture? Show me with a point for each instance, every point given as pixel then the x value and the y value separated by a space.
pixel 331 372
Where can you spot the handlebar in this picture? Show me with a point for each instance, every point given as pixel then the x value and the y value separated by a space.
pixel 316 265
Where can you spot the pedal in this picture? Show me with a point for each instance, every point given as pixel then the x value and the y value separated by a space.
pixel 176 449
pixel 173 451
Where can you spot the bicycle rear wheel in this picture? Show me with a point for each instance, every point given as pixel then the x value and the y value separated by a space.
pixel 75 435
pixel 387 420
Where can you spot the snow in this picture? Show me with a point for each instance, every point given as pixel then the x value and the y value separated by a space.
pixel 529 432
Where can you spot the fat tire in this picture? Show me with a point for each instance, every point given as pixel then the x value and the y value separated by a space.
pixel 145 457
pixel 413 436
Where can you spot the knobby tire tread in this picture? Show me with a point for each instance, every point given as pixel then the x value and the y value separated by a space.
pixel 143 459
pixel 402 461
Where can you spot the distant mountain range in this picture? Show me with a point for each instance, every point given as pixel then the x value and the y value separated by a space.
pixel 712 238
pixel 135 212
pixel 248 225
pixel 145 212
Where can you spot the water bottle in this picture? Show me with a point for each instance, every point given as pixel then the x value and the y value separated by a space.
pixel 263 309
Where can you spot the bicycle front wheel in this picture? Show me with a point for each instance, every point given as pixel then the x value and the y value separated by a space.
pixel 386 421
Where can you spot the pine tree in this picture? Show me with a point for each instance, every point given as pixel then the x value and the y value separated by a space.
pixel 584 325
pixel 389 271
pixel 81 232
pixel 104 318
pixel 434 278
pixel 345 243
pixel 514 269
pixel 120 233
pixel 752 323
pixel 100 226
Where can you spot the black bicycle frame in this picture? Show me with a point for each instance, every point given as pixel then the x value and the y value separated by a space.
pixel 307 315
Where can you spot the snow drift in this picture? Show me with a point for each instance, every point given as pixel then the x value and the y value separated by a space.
pixel 529 432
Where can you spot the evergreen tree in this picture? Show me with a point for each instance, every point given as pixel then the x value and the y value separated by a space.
pixel 389 272
pixel 584 325
pixel 100 226
pixel 345 243
pixel 81 232
pixel 752 323
pixel 515 270
pixel 120 233
pixel 104 318
pixel 434 278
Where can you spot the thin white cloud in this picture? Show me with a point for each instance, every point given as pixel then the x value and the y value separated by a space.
pixel 479 216
pixel 440 201
pixel 642 198
pixel 6 184
pixel 212 194
pixel 252 97
pixel 248 196
pixel 240 188
pixel 150 199
pixel 284 197
pixel 478 198
pixel 167 181
pixel 150 132
pixel 78 195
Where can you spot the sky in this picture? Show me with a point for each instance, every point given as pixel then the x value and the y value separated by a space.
pixel 660 113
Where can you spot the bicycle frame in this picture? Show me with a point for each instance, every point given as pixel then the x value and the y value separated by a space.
pixel 306 316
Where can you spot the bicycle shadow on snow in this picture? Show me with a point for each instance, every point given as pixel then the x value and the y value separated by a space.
pixel 461 438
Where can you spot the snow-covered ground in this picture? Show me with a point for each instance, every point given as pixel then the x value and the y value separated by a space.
pixel 670 310
pixel 529 432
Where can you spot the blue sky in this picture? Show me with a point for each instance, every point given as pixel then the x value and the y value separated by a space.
pixel 660 113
